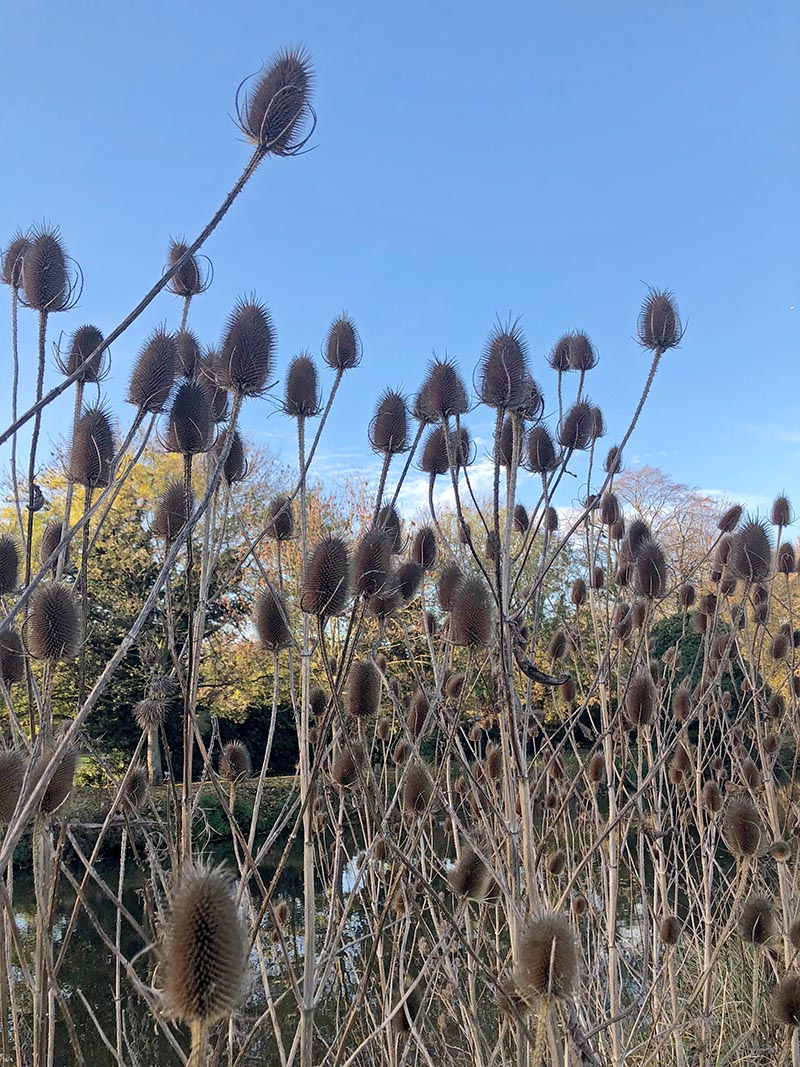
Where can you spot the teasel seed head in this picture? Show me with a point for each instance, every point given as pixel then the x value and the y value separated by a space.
pixel 326 582
pixel 556 863
pixel 434 460
pixel 52 628
pixel 60 785
pixel 785 1001
pixel 596 768
pixel 135 789
pixel 786 561
pixel 342 349
pixel 205 951
pixel 577 428
pixel 245 356
pixel 188 280
pixel 408 579
pixel 559 354
pixel 346 764
pixel 9 564
pixel 794 935
pixel 551 520
pixel 383 729
pixel 450 578
pixel 12 774
pixel 442 394
pixel 83 341
pixel 278 105
pixel 417 786
pixel 12 259
pixel 682 704
pixel 521 520
pixel 541 451
pixel 598 577
pixel 363 694
pixel 371 562
pixel 472 614
pixel 582 353
pixel 650 570
pixel 408 1012
pixel 547 961
pixel 172 511
pixel 235 468
pixel 318 701
pixel 208 375
pixel 742 827
pixel 641 700
pixel 417 714
pixel 686 596
pixel 613 460
pixel 659 325
pixel 781 514
pixel 424 550
pixel 751 551
pixel 711 797
pixel 12 659
pixel 270 619
pixel 150 713
pixel 302 395
pixel 504 367
pixel 48 282
pixel 780 850
pixel 235 764
pixel 280 520
pixel 190 355
pixel 751 775
pixel 469 878
pixel 154 372
pixel 389 520
pixel 92 449
pixel 730 518
pixel 610 510
pixel 454 685
pixel 557 648
pixel 670 930
pixel 757 921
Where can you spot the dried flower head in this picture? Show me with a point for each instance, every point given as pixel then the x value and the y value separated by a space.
pixel 278 105
pixel 234 762
pixel 751 551
pixel 302 396
pixel 650 570
pixel 442 394
pixel 12 660
pixel 245 355
pixel 326 582
pixel 85 342
pixel 150 713
pixel 280 521
pixel 135 787
pixel 541 451
pixel 450 578
pixel 371 562
pixel 363 693
pixel 729 519
pixel 12 260
pixel 271 621
pixel 469 878
pixel 52 629
pixel 60 785
pixel 154 372
pixel 757 921
pixel 742 827
pixel 92 449
pixel 9 564
pixel 12 774
pixel 641 699
pixel 785 1002
pixel 423 550
pixel 472 613
pixel 48 281
pixel 578 428
pixel 417 786
pixel 173 509
pixel 659 324
pixel 504 367
pixel 342 349
pixel 547 958
pixel 188 280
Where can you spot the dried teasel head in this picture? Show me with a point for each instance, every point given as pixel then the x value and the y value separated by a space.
pixel 235 468
pixel 12 258
pixel 346 764
pixel 781 514
pixel 559 354
pixel 786 561
pixel 9 564
pixel 389 520
pixel 280 519
pixel 12 774
pixel 417 786
pixel 582 354
pixel 135 787
pixel 49 281
pixel 659 325
pixel 751 551
pixel 371 561
pixel 278 106
pixel 92 449
pixel 757 921
pixel 577 429
pixel 521 519
pixel 408 579
pixel 503 370
pixel 363 693
pixel 442 394
pixel 326 582
pixel 388 430
pixel 547 960
pixel 150 713
pixel 469 878
pixel 172 511
pixel 59 788
pixel 670 929
pixel 650 570
pixel 205 948
pixel 208 375
pixel 190 354
pixel 742 827
pixel 785 1001
pixel 541 451
pixel 423 549
pixel 302 396
pixel 450 578
pixel 641 699
pixel 189 279
pixel 730 518
pixel 271 621
pixel 245 355
pixel 154 372
pixel 84 342
pixel 472 614
pixel 12 659
pixel 342 348
pixel 52 628
pixel 235 764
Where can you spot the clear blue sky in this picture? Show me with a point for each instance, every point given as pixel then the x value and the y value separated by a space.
pixel 471 160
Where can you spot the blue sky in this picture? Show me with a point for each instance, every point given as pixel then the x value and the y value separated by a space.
pixel 544 160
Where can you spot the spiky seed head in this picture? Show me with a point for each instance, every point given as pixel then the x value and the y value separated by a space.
pixel 82 343
pixel 659 325
pixel 582 353
pixel 682 704
pixel 326 582
pixel 150 713
pixel 302 396
pixel 785 1001
pixel 236 467
pixel 434 459
pixel 9 564
pixel 469 878
pixel 47 283
pixel 742 827
pixel 786 558
pixel 781 514
pixel 278 105
pixel 417 786
pixel 188 280
pixel 711 797
pixel 408 1011
pixel 521 518
pixel 408 579
pixel 135 789
pixel 751 551
pixel 780 850
pixel 472 614
pixel 541 451
pixel 60 785
pixel 559 354
pixel 205 948
pixel 388 430
pixel 686 596
pixel 280 520
pixel 92 448
pixel 670 929
pixel 418 711
pixel 346 764
pixel 12 660
pixel 172 511
pixel 342 348
pixel 650 570
pixel 794 935
pixel 190 355
pixel 383 604
pixel 547 959
pixel 596 768
pixel 757 921
pixel 363 693
pixel 613 460
pixel 454 685
pixel 578 592
pixel 318 701
pixel 610 509
pixel 597 579
pixel 641 699
pixel 450 578
pixel 389 520
pixel 505 444
pixel 371 562
pixel 556 863
pixel 162 687
pixel 12 259
pixel 234 762
pixel 730 518
pixel 52 628
pixel 577 428
pixel 557 648
pixel 638 535
pixel 51 538
pixel 154 372
pixel 504 374
pixel 245 355
pixel 12 773
pixel 270 619
pixel 442 394
pixel 209 376
pixel 424 550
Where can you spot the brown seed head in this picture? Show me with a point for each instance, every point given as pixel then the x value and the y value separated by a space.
pixel 504 371
pixel 342 350
pixel 670 929
pixel 641 699
pixel 659 325
pixel 9 564
pixel 371 562
pixel 757 921
pixel 52 629
pixel 280 521
pixel 234 762
pixel 188 280
pixel 47 280
pixel 172 512
pixel 424 549
pixel 363 693
pixel 785 1002
pixel 12 259
pixel 751 551
pixel 245 355
pixel 12 660
pixel 472 614
pixel 154 372
pixel 278 105
pixel 541 451
pixel 271 621
pixel 547 962
pixel 388 430
pixel 12 773
pixel 302 396
pixel 742 827
pixel 92 448
pixel 83 342
pixel 469 878
pixel 442 394
pixel 150 713
pixel 326 582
